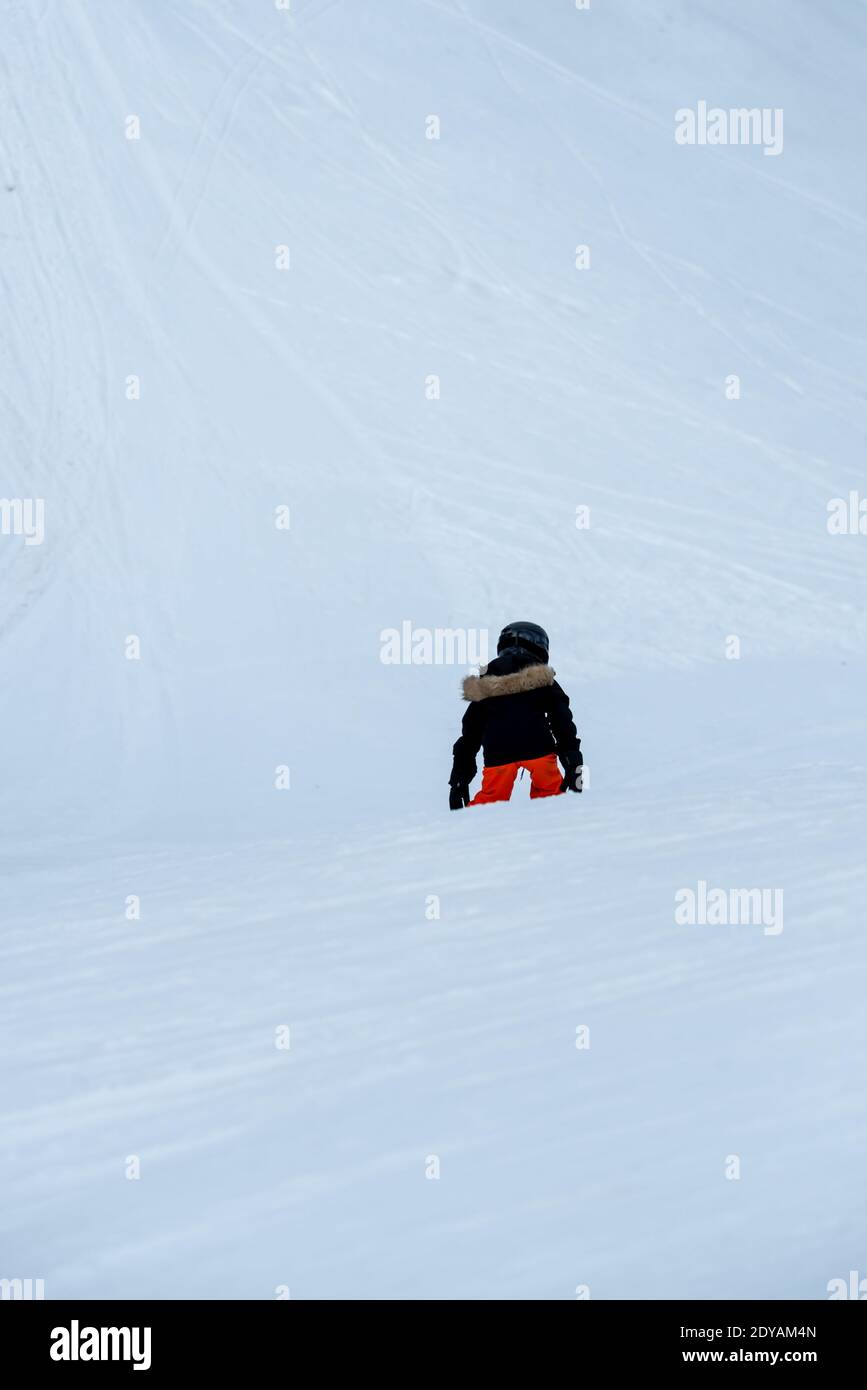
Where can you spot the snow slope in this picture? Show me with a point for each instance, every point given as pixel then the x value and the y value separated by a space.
pixel 306 908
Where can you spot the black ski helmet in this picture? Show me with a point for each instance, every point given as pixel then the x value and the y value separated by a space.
pixel 529 637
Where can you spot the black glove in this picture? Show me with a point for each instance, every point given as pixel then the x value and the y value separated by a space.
pixel 573 771
pixel 459 796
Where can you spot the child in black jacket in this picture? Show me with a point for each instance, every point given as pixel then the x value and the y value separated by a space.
pixel 520 717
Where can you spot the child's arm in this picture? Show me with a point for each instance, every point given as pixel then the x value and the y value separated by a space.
pixel 467 746
pixel 566 738
pixel 561 722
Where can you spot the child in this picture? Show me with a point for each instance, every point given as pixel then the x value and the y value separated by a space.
pixel 520 717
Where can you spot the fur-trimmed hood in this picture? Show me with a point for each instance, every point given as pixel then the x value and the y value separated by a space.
pixel 531 677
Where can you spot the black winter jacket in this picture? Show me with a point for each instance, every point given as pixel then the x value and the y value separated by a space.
pixel 516 712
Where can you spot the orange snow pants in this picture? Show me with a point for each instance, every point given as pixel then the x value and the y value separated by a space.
pixel 497 782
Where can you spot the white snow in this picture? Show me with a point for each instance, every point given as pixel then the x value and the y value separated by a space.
pixel 414 1038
